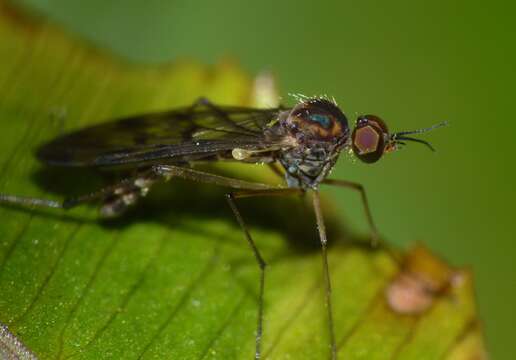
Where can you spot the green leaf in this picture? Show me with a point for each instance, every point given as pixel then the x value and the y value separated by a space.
pixel 175 278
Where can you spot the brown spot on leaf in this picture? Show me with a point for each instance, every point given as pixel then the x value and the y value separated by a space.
pixel 19 17
pixel 423 278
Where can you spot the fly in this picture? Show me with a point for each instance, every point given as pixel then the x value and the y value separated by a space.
pixel 305 140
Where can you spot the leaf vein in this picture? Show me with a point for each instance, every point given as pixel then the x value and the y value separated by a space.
pixel 224 326
pixel 85 291
pixel 126 299
pixel 13 245
pixel 470 326
pixel 49 275
pixel 362 317
pixel 182 302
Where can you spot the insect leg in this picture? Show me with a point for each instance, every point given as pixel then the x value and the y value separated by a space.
pixel 376 241
pixel 170 171
pixel 29 201
pixel 127 192
pixel 116 198
pixel 277 170
pixel 259 259
pixel 69 203
pixel 324 253
pixel 375 238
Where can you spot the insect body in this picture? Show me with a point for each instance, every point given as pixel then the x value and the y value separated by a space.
pixel 319 130
pixel 305 140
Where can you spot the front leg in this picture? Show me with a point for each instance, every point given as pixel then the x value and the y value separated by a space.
pixel 375 238
pixel 376 241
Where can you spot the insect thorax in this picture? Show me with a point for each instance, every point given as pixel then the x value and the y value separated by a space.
pixel 316 130
pixel 307 168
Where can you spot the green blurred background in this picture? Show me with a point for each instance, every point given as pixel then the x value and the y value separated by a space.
pixel 413 63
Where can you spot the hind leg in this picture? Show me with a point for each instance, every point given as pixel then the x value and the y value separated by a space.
pixel 114 199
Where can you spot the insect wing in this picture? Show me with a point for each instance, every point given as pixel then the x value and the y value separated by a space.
pixel 179 135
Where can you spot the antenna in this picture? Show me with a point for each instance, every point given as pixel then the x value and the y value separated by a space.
pixel 420 131
pixel 401 135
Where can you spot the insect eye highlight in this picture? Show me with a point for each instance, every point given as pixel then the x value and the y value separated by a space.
pixel 323 120
pixel 318 120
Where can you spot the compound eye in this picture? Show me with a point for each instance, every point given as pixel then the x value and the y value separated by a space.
pixel 369 138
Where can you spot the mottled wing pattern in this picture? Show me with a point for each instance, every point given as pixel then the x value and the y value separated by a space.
pixel 179 135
